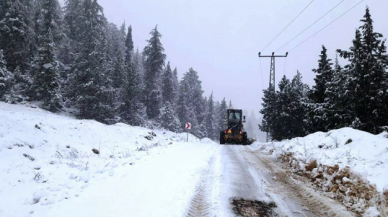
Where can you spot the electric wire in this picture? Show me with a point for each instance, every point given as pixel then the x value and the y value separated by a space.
pixel 285 63
pixel 310 26
pixel 327 25
pixel 287 25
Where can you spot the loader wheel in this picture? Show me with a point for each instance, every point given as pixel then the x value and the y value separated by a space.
pixel 222 137
pixel 245 138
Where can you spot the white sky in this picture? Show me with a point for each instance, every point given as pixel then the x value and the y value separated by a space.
pixel 221 39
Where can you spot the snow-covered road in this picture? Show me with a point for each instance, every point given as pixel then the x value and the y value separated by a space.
pixel 243 180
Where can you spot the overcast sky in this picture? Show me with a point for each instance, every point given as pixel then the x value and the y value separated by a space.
pixel 221 39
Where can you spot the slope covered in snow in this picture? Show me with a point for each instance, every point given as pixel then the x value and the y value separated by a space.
pixel 48 168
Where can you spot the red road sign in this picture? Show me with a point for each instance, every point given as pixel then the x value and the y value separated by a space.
pixel 188 126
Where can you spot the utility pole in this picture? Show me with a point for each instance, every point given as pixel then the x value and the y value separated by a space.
pixel 272 72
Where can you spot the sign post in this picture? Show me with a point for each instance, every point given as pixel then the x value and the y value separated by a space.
pixel 188 127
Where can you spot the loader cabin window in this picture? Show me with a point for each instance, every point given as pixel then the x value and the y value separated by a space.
pixel 234 116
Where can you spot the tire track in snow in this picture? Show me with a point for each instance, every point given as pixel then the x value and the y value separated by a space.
pixel 298 188
pixel 201 204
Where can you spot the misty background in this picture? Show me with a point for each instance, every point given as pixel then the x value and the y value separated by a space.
pixel 221 39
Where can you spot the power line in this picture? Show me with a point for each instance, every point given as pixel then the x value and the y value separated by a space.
pixel 288 25
pixel 309 26
pixel 285 63
pixel 327 25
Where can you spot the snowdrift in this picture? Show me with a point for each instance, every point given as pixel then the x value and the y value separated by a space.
pixel 349 165
pixel 48 160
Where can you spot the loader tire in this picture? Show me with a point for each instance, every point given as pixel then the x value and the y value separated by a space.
pixel 245 139
pixel 222 137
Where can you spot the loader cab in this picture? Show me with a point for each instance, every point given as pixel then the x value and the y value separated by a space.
pixel 234 133
pixel 234 118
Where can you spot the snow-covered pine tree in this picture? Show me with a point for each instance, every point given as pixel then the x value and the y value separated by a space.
pixel 268 111
pixel 129 40
pixel 182 106
pixel 73 12
pixel 297 108
pixel 90 87
pixel 176 84
pixel 324 73
pixel 367 67
pixel 154 63
pixel 168 118
pixel 210 121
pixel 45 85
pixel 281 127
pixel 222 116
pixel 5 77
pixel 337 104
pixel 230 104
pixel 203 130
pixel 117 55
pixel 123 29
pixel 283 111
pixel 190 105
pixel 45 70
pixel 132 109
pixel 49 16
pixel 168 85
pixel 15 35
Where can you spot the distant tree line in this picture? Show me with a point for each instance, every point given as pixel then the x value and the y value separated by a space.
pixel 355 95
pixel 72 58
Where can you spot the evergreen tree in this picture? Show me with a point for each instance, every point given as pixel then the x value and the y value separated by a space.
pixel 132 110
pixel 5 77
pixel 73 12
pixel 268 111
pixel 15 33
pixel 168 85
pixel 90 86
pixel 168 118
pixel 67 50
pixel 154 62
pixel 284 111
pixel 230 104
pixel 337 104
pixel 123 28
pixel 191 103
pixel 182 106
pixel 210 121
pixel 49 16
pixel 297 108
pixel 45 84
pixel 175 84
pixel 117 59
pixel 129 41
pixel 317 114
pixel 367 68
pixel 222 115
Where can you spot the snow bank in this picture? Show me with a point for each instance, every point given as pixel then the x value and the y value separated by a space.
pixel 56 165
pixel 365 155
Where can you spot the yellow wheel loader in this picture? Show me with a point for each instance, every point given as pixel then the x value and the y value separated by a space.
pixel 234 134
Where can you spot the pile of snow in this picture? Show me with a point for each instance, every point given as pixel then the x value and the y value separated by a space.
pixel 56 165
pixel 344 153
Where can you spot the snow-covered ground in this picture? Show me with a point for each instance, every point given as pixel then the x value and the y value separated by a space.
pixel 364 154
pixel 48 168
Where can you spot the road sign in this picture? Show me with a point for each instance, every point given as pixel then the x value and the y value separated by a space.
pixel 188 126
